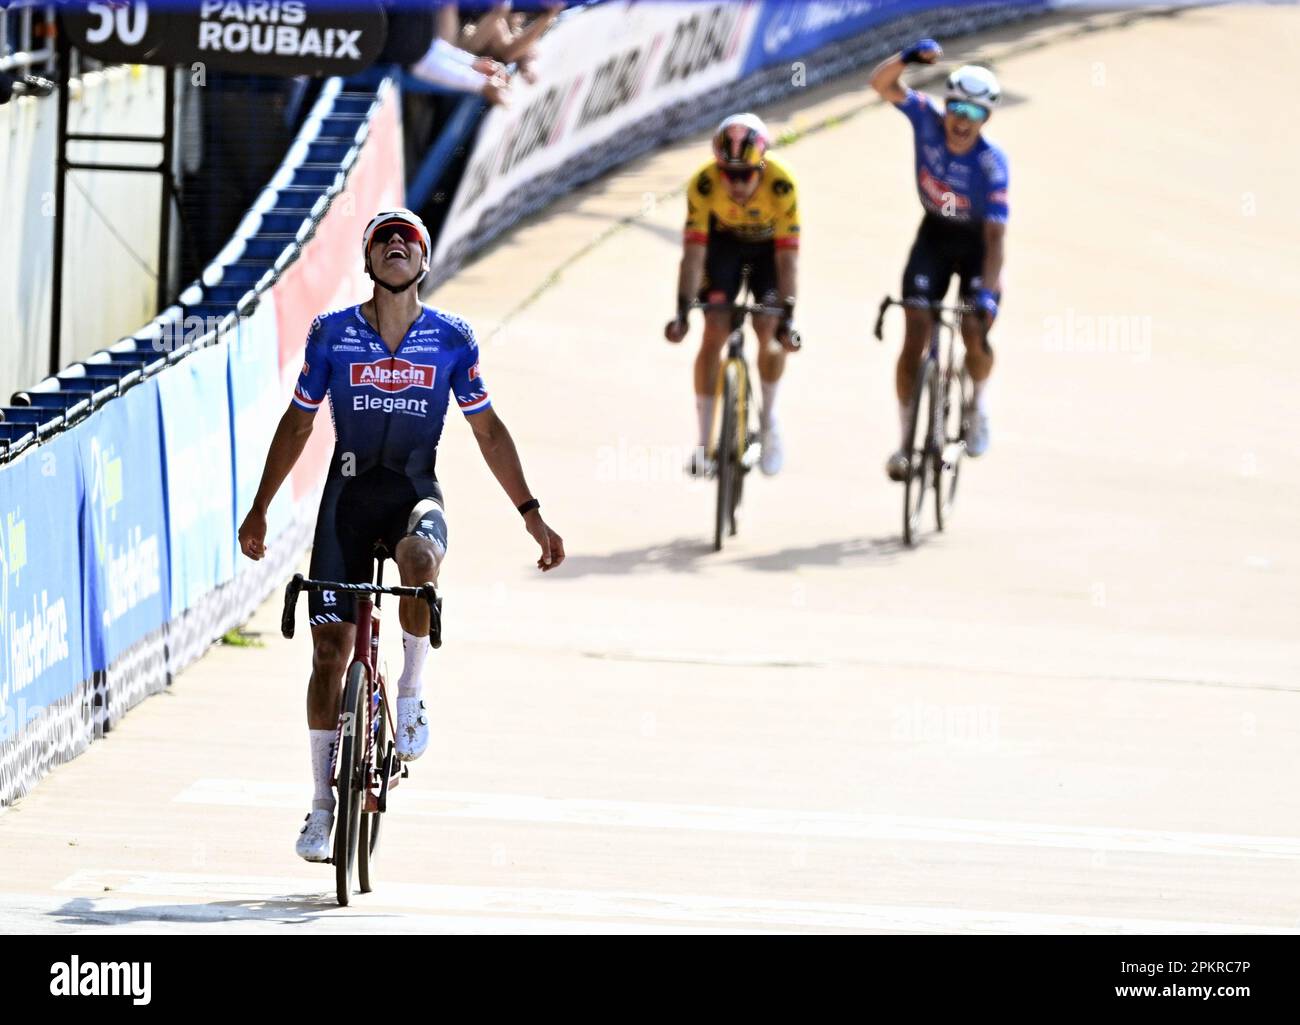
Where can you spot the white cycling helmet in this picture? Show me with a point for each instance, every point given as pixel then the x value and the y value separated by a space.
pixel 974 84
pixel 398 216
pixel 402 216
pixel 741 140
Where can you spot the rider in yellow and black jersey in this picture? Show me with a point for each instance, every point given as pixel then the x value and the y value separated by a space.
pixel 742 223
pixel 770 214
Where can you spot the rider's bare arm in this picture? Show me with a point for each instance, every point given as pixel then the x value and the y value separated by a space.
pixel 787 273
pixel 286 446
pixel 690 275
pixel 886 79
pixel 995 233
pixel 502 458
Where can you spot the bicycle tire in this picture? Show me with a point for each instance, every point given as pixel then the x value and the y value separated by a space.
pixel 919 457
pixel 725 454
pixel 369 837
pixel 956 397
pixel 351 791
pixel 744 438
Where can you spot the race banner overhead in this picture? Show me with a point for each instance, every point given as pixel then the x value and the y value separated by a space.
pixel 263 37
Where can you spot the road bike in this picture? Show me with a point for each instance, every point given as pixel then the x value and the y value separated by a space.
pixel 940 399
pixel 366 766
pixel 734 449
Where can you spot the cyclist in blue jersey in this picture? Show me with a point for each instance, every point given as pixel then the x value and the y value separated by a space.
pixel 389 367
pixel 961 178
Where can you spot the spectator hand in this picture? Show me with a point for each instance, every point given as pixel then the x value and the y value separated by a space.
pixel 496 90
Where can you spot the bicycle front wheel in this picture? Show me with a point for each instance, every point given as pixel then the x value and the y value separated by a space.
pixel 377 763
pixel 956 397
pixel 351 779
pixel 918 461
pixel 727 457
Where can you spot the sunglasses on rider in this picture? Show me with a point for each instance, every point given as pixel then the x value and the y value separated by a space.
pixel 739 174
pixel 408 233
pixel 969 111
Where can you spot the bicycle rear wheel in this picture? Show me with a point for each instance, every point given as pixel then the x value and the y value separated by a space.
pixel 918 463
pixel 727 459
pixel 351 782
pixel 369 839
pixel 956 397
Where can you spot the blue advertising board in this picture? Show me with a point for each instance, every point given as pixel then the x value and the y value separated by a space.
pixel 257 401
pixel 194 403
pixel 41 518
pixel 124 557
pixel 787 29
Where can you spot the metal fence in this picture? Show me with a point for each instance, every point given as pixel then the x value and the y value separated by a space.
pixel 26 37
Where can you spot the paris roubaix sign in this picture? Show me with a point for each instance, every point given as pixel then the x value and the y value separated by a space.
pixel 262 37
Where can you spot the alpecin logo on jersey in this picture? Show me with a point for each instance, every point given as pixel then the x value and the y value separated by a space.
pixel 392 375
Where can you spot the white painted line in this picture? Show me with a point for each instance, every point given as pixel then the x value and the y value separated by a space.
pixel 763 821
pixel 302 898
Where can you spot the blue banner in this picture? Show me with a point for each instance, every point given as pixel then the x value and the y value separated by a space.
pixel 257 401
pixel 790 28
pixel 41 512
pixel 124 557
pixel 194 402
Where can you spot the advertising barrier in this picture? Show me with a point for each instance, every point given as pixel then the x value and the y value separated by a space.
pixel 118 555
pixel 615 69
pixel 788 29
pixel 622 78
pixel 194 401
pixel 124 556
pixel 40 558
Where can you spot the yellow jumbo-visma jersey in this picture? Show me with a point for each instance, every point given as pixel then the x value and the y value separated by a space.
pixel 771 213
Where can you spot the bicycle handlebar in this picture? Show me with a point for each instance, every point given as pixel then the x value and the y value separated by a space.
pixel 937 308
pixel 299 583
pixel 739 310
pixel 756 309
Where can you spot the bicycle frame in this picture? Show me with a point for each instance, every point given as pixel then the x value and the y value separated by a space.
pixel 365 651
pixel 735 358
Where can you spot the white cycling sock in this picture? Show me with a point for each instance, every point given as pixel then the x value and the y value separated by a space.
pixel 905 425
pixel 766 415
pixel 704 410
pixel 322 767
pixel 981 396
pixel 414 650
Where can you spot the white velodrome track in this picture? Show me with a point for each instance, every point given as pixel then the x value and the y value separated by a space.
pixel 1077 711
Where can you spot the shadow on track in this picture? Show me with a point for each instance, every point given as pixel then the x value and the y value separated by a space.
pixel 692 555
pixel 296 909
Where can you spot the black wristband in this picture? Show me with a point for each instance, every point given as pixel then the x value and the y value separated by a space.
pixel 526 507
pixel 683 307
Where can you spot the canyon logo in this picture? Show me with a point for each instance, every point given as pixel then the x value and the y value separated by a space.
pixel 392 375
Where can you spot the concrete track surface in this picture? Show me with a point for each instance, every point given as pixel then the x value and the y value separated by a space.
pixel 1077 710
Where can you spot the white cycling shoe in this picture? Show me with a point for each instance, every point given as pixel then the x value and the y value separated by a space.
pixel 977 432
pixel 773 457
pixel 412 733
pixel 314 837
